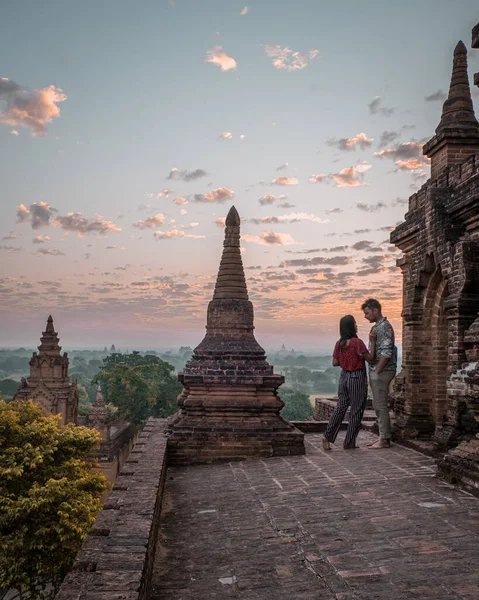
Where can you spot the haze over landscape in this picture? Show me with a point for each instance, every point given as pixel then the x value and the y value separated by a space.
pixel 128 130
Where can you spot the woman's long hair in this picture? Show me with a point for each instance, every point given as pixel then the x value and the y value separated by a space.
pixel 347 330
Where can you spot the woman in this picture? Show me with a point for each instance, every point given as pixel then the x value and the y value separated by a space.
pixel 350 354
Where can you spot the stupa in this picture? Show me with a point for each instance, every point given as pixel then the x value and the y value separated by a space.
pixel 98 416
pixel 229 407
pixel 49 383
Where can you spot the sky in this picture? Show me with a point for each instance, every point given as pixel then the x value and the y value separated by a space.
pixel 128 129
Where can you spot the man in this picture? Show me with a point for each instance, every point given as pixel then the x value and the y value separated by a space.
pixel 382 370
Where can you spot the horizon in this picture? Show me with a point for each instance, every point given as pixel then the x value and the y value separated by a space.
pixel 121 160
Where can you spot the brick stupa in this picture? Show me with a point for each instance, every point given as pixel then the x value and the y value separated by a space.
pixel 229 407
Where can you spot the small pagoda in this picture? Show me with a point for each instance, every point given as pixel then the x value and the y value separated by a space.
pixel 229 407
pixel 98 416
pixel 49 383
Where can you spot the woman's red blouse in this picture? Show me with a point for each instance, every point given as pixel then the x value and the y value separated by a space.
pixel 350 357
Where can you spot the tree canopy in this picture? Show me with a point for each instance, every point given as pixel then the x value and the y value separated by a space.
pixel 49 497
pixel 9 387
pixel 140 386
pixel 297 405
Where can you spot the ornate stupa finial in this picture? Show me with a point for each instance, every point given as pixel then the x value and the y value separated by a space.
pixel 231 282
pixel 99 397
pixel 49 342
pixel 98 415
pixel 458 111
pixel 49 328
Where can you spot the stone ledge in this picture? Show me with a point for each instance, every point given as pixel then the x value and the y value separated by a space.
pixel 116 559
pixel 461 466
pixel 324 408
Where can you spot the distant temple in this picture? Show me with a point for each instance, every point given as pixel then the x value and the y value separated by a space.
pixel 98 416
pixel 49 383
pixel 437 392
pixel 229 408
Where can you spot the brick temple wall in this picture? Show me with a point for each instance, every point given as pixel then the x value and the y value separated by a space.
pixel 440 241
pixel 116 559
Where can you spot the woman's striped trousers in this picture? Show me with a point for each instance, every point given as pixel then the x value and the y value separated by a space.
pixel 352 393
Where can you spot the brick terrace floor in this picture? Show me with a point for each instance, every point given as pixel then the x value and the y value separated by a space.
pixel 343 525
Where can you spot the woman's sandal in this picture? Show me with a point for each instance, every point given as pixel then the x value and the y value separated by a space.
pixel 326 445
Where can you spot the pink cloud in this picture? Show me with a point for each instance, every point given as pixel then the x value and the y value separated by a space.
pixel 38 214
pixel 351 176
pixel 49 252
pixel 404 151
pixel 225 135
pixel 180 201
pixel 289 218
pixel 361 140
pixel 317 178
pixel 33 109
pixel 189 226
pixel 285 58
pixel 269 238
pixel 411 164
pixel 285 181
pixel 221 221
pixel 151 222
pixel 14 132
pixel 244 11
pixel 219 58
pixel 84 226
pixel 219 195
pixel 41 239
pixel 162 235
pixel 164 193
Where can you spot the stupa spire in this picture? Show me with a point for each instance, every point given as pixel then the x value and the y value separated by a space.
pixel 457 135
pixel 231 282
pixel 458 111
pixel 49 328
pixel 99 397
pixel 98 415
pixel 49 342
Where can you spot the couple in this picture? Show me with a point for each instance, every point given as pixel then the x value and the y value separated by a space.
pixel 350 354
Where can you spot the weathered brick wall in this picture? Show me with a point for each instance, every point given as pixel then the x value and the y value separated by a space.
pixel 117 557
pixel 324 408
pixel 451 155
pixel 440 241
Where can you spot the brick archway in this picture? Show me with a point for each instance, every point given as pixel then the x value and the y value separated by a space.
pixel 436 334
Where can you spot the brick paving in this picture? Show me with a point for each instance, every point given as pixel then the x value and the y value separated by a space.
pixel 344 525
